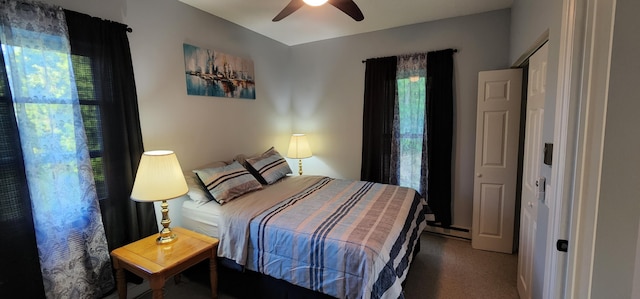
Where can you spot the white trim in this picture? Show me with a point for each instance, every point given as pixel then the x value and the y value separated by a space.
pixel 635 291
pixel 534 47
pixel 564 146
pixel 594 85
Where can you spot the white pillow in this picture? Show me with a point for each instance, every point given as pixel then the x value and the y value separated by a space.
pixel 196 192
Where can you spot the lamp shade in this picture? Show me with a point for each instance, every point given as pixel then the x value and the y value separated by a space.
pixel 159 177
pixel 299 147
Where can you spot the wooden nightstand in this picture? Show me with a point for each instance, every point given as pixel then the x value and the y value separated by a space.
pixel 157 263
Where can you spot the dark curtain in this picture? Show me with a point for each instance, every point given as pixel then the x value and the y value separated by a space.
pixel 377 126
pixel 106 45
pixel 20 275
pixel 440 133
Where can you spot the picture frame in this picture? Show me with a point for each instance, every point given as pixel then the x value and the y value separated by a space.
pixel 217 74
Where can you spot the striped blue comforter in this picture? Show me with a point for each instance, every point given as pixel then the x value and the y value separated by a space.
pixel 347 239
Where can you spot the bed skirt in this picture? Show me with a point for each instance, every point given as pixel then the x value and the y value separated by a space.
pixel 246 284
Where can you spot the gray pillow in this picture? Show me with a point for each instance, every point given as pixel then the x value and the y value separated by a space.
pixel 227 182
pixel 268 167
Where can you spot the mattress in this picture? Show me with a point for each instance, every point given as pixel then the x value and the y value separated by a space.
pixel 201 218
pixel 204 217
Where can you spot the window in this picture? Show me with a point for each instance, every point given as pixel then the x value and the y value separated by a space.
pixel 410 132
pixel 77 101
pixel 58 175
pixel 43 99
pixel 410 117
pixel 11 205
pixel 40 113
pixel 90 108
pixel 408 125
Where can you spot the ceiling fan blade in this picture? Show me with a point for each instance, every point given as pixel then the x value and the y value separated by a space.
pixel 349 7
pixel 289 9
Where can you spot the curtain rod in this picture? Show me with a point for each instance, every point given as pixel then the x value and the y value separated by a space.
pixel 129 29
pixel 454 51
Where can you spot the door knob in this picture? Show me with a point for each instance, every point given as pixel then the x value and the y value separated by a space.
pixel 479 175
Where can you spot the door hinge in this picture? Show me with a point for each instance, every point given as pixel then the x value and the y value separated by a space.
pixel 562 245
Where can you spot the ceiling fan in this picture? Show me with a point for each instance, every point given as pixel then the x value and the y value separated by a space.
pixel 347 6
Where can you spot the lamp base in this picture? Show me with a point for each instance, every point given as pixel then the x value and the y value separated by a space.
pixel 166 235
pixel 300 166
pixel 166 238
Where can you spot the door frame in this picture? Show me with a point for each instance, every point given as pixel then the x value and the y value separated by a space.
pixel 580 118
pixel 583 70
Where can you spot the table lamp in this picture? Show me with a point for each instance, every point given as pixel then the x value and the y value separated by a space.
pixel 160 178
pixel 299 149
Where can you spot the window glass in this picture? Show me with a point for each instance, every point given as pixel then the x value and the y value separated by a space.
pixel 411 118
pixel 90 108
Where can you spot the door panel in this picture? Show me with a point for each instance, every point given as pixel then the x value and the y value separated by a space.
pixel 497 124
pixel 495 130
pixel 532 161
pixel 492 203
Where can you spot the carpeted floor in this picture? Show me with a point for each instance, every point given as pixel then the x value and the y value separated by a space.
pixel 445 268
pixel 450 268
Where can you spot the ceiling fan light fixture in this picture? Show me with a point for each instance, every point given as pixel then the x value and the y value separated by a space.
pixel 347 6
pixel 315 2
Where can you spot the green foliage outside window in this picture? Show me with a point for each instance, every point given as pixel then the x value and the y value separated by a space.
pixel 51 118
pixel 411 118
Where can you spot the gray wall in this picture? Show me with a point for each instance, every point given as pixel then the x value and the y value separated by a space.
pixel 328 91
pixel 315 88
pixel 619 206
pixel 199 129
pixel 203 129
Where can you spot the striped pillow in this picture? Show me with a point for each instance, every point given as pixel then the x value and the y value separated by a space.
pixel 227 182
pixel 196 192
pixel 268 167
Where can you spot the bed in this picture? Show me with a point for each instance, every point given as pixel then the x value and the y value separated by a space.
pixel 342 238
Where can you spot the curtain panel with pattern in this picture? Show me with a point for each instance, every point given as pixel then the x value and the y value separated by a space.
pixel 72 247
pixel 397 130
pixel 77 83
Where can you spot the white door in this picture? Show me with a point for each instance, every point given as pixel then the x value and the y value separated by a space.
pixel 531 163
pixel 496 162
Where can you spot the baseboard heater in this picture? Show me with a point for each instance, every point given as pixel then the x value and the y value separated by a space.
pixel 450 227
pixel 451 231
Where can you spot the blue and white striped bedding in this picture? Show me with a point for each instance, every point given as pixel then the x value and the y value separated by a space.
pixel 347 239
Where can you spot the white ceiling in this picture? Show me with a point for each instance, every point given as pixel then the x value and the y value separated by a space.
pixel 310 24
